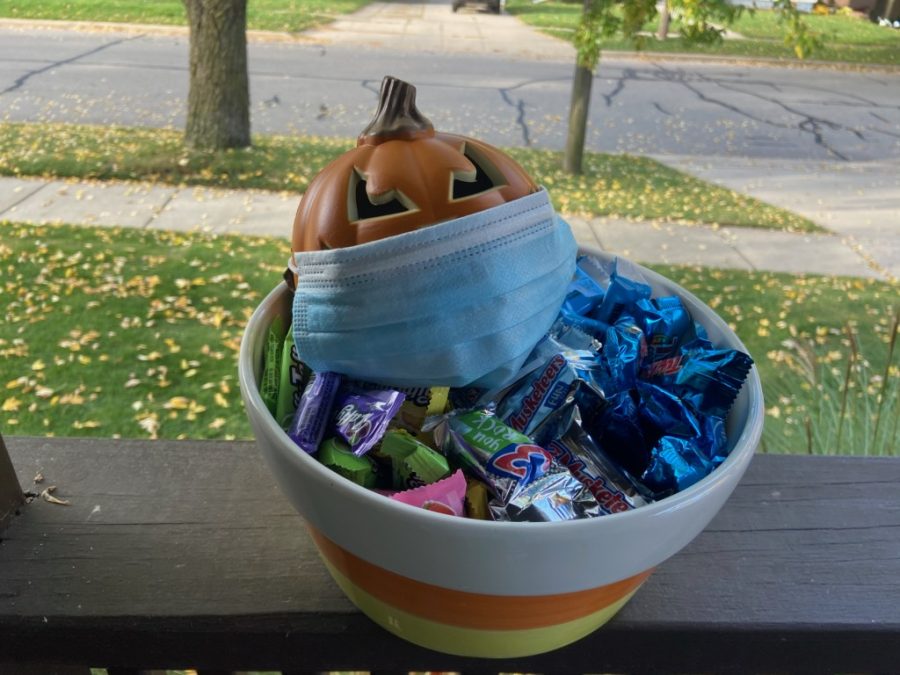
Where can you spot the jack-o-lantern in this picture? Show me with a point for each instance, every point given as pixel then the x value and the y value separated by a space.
pixel 402 176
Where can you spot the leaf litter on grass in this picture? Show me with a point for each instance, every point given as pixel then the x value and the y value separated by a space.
pixel 110 332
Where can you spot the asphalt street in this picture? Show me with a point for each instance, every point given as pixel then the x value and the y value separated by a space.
pixel 639 106
pixel 823 142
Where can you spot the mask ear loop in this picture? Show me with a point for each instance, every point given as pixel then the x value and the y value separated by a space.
pixel 290 274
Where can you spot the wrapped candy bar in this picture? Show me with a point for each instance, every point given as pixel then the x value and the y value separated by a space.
pixel 550 498
pixel 418 402
pixel 624 351
pixel 509 462
pixel 503 458
pixel 573 337
pixel 268 388
pixel 413 463
pixel 362 418
pixel 528 402
pixel 313 413
pixel 706 378
pixel 584 296
pixel 293 377
pixel 616 427
pixel 572 447
pixel 540 393
pixel 337 456
pixel 666 326
pixel 446 496
pixel 623 292
pixel 477 500
pixel 675 464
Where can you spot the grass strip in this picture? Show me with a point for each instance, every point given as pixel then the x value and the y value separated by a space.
pixel 614 185
pixel 135 333
pixel 846 39
pixel 275 15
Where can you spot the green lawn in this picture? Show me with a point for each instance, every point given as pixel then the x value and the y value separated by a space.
pixel 135 333
pixel 277 15
pixel 845 39
pixel 617 185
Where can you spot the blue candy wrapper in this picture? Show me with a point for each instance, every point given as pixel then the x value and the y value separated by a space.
pixel 624 352
pixel 666 326
pixel 620 297
pixel 708 379
pixel 584 296
pixel 667 389
pixel 615 425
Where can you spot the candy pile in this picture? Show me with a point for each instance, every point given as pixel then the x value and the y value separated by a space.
pixel 622 403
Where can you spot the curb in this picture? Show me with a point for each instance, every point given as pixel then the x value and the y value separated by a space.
pixel 139 28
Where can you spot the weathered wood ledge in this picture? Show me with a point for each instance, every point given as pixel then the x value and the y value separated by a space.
pixel 184 554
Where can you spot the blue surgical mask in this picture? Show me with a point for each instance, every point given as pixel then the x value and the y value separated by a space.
pixel 461 302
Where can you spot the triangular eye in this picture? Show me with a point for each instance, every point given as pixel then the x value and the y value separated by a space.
pixel 485 178
pixel 362 206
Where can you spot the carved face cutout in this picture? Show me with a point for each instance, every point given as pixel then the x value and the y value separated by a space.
pixel 403 176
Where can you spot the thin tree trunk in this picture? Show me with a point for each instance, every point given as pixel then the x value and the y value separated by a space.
pixel 664 18
pixel 578 114
pixel 586 59
pixel 219 96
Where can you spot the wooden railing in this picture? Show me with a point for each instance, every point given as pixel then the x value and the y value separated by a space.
pixel 185 555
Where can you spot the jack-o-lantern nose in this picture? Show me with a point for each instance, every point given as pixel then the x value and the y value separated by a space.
pixel 363 206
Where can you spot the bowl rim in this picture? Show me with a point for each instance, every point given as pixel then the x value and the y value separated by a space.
pixel 742 451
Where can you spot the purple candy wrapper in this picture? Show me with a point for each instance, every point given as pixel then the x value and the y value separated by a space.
pixel 310 420
pixel 361 418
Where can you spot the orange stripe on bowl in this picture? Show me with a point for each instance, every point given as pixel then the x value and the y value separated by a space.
pixel 472 610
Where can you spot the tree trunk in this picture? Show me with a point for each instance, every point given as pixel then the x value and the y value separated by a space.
pixel 578 114
pixel 219 96
pixel 664 17
pixel 587 56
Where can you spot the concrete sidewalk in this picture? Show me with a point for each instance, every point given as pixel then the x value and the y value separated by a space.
pixel 146 206
pixel 858 201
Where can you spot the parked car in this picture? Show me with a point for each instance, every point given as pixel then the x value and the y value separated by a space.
pixel 492 5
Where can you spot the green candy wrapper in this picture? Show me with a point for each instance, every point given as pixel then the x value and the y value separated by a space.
pixel 337 456
pixel 413 463
pixel 268 387
pixel 293 376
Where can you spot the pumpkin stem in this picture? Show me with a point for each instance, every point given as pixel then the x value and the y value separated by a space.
pixel 397 116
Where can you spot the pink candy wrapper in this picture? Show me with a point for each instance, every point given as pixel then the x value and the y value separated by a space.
pixel 446 496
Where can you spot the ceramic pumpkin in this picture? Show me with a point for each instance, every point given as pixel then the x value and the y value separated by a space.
pixel 402 176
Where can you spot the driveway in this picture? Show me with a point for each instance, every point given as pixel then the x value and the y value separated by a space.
pixel 430 26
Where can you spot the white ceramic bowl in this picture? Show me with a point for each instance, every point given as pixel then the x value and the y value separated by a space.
pixel 435 580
